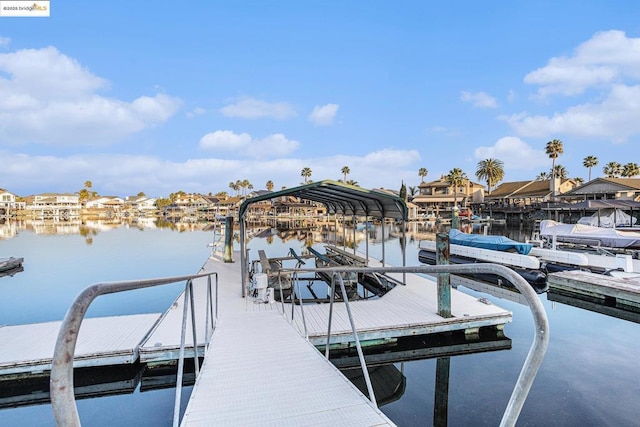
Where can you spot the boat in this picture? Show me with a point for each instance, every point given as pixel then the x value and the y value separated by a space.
pixel 10 263
pixel 473 248
pixel 588 235
pixel 609 218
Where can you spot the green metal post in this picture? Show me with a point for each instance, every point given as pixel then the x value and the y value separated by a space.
pixel 228 239
pixel 455 218
pixel 444 282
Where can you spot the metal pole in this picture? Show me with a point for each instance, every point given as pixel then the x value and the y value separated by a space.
pixel 444 279
pixel 228 238
pixel 333 289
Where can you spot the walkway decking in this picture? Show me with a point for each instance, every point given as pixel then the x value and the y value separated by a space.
pixel 261 372
pixel 101 341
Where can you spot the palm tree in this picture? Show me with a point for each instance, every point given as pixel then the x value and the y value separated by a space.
pixel 612 170
pixel 345 171
pixel 630 170
pixel 553 150
pixel 306 174
pixel 269 185
pixel 543 176
pixel 352 182
pixel 422 172
pixel 579 180
pixel 559 171
pixel 589 162
pixel 491 170
pixel 456 178
pixel 245 184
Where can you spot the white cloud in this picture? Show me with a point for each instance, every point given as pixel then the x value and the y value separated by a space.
pixel 516 155
pixel 129 174
pixel 479 99
pixel 4 41
pixel 50 98
pixel 324 115
pixel 198 111
pixel 225 140
pixel 251 108
pixel 607 58
pixel 615 118
pixel 243 144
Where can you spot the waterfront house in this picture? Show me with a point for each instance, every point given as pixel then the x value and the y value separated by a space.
pixel 8 203
pixel 104 207
pixel 606 189
pixel 439 196
pixel 521 194
pixel 54 206
pixel 140 206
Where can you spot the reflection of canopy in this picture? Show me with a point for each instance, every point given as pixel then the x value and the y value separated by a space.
pixel 342 199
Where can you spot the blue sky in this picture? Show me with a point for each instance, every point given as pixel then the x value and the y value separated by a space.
pixel 166 96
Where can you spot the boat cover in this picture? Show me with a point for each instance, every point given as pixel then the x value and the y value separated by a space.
pixel 496 243
pixel 609 218
pixel 589 235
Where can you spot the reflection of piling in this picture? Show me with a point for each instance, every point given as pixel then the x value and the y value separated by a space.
pixel 228 239
pixel 444 283
pixel 441 400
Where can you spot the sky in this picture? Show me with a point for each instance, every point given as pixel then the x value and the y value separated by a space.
pixel 159 97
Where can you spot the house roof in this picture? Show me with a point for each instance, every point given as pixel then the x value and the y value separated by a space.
pixel 535 188
pixel 343 199
pixel 613 183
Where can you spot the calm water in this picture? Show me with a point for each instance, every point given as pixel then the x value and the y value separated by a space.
pixel 589 377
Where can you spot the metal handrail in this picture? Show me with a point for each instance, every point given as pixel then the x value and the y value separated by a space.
pixel 541 334
pixel 363 363
pixel 63 401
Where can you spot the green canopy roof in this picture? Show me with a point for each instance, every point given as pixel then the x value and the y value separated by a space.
pixel 343 199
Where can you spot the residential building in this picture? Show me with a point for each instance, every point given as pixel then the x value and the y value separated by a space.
pixel 440 196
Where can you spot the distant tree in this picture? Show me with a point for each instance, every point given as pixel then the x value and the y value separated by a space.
pixel 456 178
pixel 554 149
pixel 579 180
pixel 222 195
pixel 345 171
pixel 630 170
pixel 412 191
pixel 83 194
pixel 141 194
pixel 163 202
pixel 491 170
pixel 559 171
pixel 422 173
pixel 542 176
pixel 589 162
pixel 403 192
pixel 269 185
pixel 612 170
pixel 306 174
pixel 88 184
pixel 175 196
pixel 352 182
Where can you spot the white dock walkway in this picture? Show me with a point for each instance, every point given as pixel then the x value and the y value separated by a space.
pixel 101 341
pixel 259 371
pixel 403 311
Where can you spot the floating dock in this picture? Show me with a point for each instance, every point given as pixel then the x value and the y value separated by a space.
pixel 103 341
pixel 611 291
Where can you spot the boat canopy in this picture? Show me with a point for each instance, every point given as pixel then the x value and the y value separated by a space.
pixel 343 199
pixel 496 243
